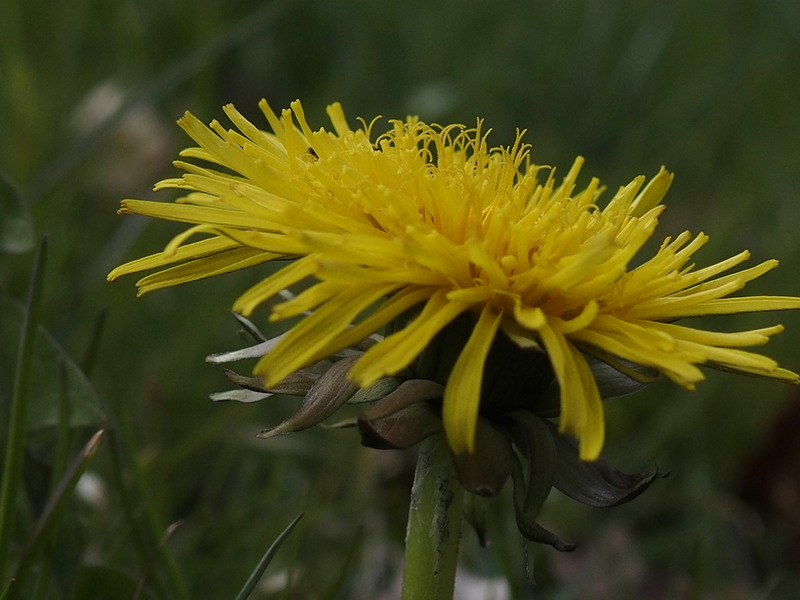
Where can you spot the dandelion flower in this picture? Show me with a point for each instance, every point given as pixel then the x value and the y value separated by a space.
pixel 426 226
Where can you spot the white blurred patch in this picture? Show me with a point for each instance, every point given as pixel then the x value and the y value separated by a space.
pixel 92 490
pixel 473 587
pixel 98 106
pixel 433 100
pixel 135 149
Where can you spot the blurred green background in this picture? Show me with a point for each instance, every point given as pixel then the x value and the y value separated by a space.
pixel 89 92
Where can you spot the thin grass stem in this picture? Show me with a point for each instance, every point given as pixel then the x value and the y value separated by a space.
pixel 18 423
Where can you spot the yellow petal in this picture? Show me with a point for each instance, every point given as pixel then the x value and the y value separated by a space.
pixel 186 252
pixel 283 279
pixel 530 317
pixel 732 306
pixel 581 406
pixel 189 214
pixel 653 193
pixel 319 330
pixel 395 352
pixel 462 395
pixel 201 268
pixel 396 305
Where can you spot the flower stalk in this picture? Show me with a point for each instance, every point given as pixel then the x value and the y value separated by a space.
pixel 434 525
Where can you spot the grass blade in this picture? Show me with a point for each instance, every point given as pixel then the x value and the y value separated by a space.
pixel 151 562
pixel 251 582
pixel 10 590
pixel 347 568
pixel 17 428
pixel 140 510
pixel 93 350
pixel 55 506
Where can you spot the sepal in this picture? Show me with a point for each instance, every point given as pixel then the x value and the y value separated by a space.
pixel 596 483
pixel 485 471
pixel 329 393
pixel 402 418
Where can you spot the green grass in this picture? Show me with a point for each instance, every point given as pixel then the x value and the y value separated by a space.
pixel 89 92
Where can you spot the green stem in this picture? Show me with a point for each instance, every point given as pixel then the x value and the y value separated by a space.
pixel 434 525
pixel 18 418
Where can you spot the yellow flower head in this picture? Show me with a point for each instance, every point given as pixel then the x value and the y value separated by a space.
pixel 431 218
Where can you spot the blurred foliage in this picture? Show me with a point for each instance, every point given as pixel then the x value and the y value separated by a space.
pixel 88 94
